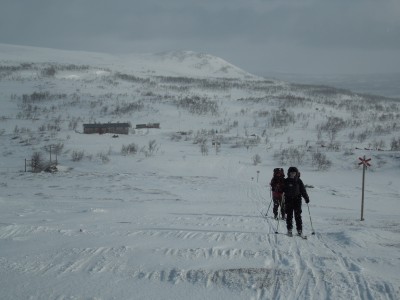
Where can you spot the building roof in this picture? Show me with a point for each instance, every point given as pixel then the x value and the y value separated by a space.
pixel 106 125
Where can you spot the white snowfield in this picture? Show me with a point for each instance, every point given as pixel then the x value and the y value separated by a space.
pixel 181 222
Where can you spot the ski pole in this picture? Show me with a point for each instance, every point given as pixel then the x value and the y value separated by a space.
pixel 270 195
pixel 277 226
pixel 268 208
pixel 313 232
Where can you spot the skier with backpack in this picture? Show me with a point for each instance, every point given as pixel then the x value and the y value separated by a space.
pixel 277 183
pixel 294 190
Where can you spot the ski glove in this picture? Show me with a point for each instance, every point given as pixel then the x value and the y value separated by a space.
pixel 307 200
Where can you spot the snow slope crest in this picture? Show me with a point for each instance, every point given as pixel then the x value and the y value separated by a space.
pixel 202 63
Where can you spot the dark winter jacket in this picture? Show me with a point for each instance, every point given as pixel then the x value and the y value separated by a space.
pixel 294 189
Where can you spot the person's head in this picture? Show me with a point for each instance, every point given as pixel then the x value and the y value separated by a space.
pixel 293 172
pixel 278 172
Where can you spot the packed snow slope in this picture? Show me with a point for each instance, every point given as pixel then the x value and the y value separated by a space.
pixel 179 212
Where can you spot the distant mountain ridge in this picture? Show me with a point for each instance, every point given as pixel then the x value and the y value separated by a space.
pixel 172 63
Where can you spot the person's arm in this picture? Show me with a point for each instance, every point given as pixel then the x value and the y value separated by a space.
pixel 303 192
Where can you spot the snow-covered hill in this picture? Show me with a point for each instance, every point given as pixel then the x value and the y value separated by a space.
pixel 174 63
pixel 177 212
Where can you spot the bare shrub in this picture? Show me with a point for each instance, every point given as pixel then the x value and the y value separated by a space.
pixel 204 148
pixel 54 149
pixel 256 159
pixel 361 137
pixel 378 145
pixel 37 162
pixel 395 144
pixel 332 127
pixel 198 105
pixel 49 72
pixel 131 78
pixel 73 123
pixel 320 161
pixel 152 148
pixel 130 149
pixel 58 148
pixel 253 140
pixel 105 158
pixel 292 155
pixel 352 135
pixel 176 137
pixel 40 97
pixel 126 108
pixel 201 136
pixel 77 155
pixel 348 152
pixel 281 118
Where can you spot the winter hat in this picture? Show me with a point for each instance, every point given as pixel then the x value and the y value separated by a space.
pixel 279 172
pixel 292 169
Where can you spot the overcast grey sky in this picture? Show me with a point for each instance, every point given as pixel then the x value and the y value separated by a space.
pixel 260 36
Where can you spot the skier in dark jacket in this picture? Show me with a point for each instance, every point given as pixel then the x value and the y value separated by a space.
pixel 294 190
pixel 277 183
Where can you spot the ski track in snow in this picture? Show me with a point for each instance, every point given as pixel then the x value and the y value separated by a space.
pixel 278 267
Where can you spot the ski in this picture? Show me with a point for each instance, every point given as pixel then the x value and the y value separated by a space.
pixel 273 218
pixel 304 237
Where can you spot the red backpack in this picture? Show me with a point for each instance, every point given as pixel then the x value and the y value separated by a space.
pixel 278 181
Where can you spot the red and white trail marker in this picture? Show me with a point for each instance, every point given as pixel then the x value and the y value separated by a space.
pixel 364 161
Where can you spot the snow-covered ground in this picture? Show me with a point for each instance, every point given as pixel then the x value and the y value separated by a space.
pixel 184 221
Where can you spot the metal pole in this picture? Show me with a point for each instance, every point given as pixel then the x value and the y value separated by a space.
pixel 362 192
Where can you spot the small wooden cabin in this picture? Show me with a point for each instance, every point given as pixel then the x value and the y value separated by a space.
pixel 148 125
pixel 100 128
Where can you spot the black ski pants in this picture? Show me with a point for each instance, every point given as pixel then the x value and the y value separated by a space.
pixel 293 207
